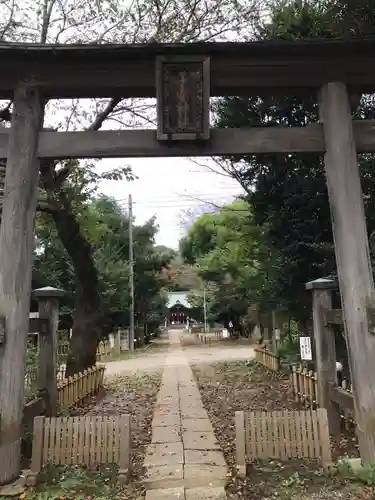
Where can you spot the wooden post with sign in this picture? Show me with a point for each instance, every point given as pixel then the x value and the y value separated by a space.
pixel 305 348
pixel 48 299
pixel 325 349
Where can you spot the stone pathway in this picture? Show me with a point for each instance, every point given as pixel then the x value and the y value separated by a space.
pixel 184 460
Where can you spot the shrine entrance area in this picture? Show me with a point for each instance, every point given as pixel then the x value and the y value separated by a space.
pixel 183 78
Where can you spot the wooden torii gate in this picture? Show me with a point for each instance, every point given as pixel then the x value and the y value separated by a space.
pixel 183 77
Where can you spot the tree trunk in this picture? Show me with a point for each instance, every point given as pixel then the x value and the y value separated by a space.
pixel 88 316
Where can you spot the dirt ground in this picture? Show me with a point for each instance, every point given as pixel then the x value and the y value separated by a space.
pixel 232 386
pixel 197 353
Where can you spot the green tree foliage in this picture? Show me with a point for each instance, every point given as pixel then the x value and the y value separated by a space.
pixel 288 192
pixel 225 251
pixel 106 227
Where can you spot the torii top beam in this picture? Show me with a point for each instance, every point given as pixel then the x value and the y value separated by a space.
pixel 252 68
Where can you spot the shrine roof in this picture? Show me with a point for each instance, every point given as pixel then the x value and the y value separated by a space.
pixel 178 298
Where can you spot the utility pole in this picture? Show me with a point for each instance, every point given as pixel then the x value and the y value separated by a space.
pixel 205 309
pixel 131 276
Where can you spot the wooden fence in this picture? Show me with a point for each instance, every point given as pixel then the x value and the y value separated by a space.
pixel 282 435
pixel 320 389
pixel 104 351
pixel 267 358
pixel 70 391
pixel 305 391
pixel 73 390
pixel 206 339
pixel 211 337
pixel 89 441
pixel 304 386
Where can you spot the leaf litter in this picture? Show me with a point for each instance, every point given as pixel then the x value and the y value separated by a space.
pixel 228 387
pixel 134 394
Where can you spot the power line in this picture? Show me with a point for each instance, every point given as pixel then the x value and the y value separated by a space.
pixel 187 200
pixel 177 198
pixel 203 204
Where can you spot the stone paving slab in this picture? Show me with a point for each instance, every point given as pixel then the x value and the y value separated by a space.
pixel 169 385
pixel 186 383
pixel 166 494
pixel 168 434
pixel 191 400
pixel 164 454
pixel 199 440
pixel 192 406
pixel 166 421
pixel 207 457
pixel 190 397
pixel 205 494
pixel 162 410
pixel 194 413
pixel 208 472
pixel 164 476
pixel 169 378
pixel 189 391
pixel 165 391
pixel 184 460
pixel 195 424
pixel 168 388
pixel 167 399
pixel 163 401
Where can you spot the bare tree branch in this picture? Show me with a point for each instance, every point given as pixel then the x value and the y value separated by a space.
pixel 96 125
pixel 104 21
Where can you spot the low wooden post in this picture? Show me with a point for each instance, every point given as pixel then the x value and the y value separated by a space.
pixel 117 343
pixel 352 256
pixel 268 334
pixel 140 335
pixel 275 332
pixel 325 349
pixel 16 248
pixel 48 299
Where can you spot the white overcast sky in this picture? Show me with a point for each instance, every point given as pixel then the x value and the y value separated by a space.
pixel 165 187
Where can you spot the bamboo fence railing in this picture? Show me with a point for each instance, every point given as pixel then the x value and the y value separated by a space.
pixel 73 390
pixel 267 358
pixel 304 387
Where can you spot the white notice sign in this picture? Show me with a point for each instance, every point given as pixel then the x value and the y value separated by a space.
pixel 305 348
